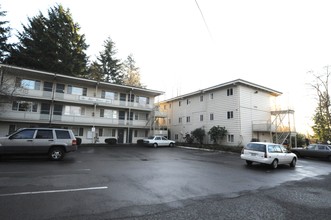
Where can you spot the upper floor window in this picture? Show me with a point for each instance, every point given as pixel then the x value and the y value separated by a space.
pixel 188 101
pixel 211 95
pixel 230 91
pixel 25 106
pixel 201 117
pixel 179 120
pixel 211 117
pixel 48 86
pixel 60 88
pixel 107 113
pixel 179 103
pixel 28 84
pixel 143 100
pixel 201 98
pixel 230 114
pixel 77 90
pixel 109 95
pixel 188 119
pixel 74 110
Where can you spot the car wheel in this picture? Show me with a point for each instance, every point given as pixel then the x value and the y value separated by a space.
pixel 294 162
pixel 274 164
pixel 249 163
pixel 56 153
pixel 155 145
pixel 171 145
pixel 329 158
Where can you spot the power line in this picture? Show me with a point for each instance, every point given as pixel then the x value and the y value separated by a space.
pixel 204 20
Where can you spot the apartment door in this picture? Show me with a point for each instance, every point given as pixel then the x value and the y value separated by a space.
pixel 120 136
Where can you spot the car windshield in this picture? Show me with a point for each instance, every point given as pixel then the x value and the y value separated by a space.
pixel 150 137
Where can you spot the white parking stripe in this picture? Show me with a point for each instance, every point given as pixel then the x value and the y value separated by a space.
pixel 41 171
pixel 54 191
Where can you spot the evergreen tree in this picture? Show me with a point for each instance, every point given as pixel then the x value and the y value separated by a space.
pixel 51 44
pixel 4 35
pixel 111 66
pixel 131 72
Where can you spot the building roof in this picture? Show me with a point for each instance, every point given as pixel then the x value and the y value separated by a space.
pixel 72 79
pixel 228 84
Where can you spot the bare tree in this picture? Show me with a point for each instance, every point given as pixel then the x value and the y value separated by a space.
pixel 322 118
pixel 7 88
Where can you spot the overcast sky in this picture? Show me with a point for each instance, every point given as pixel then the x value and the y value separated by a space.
pixel 271 43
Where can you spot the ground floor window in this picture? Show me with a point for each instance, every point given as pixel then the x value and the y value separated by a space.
pixel 230 138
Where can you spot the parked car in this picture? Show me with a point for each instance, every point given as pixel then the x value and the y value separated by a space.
pixel 111 141
pixel 156 141
pixel 314 150
pixel 268 153
pixel 52 141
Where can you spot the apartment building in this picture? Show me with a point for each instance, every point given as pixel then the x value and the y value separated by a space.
pixel 93 110
pixel 247 111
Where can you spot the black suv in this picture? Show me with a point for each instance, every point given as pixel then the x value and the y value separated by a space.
pixel 52 141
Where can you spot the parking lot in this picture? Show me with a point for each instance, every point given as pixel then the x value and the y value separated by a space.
pixel 136 182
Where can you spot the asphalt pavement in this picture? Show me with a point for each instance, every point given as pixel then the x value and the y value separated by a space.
pixel 137 182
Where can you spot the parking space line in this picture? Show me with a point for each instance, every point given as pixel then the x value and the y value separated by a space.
pixel 41 171
pixel 54 191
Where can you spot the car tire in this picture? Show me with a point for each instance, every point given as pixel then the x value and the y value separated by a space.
pixel 249 163
pixel 56 153
pixel 274 164
pixel 294 162
pixel 155 145
pixel 171 145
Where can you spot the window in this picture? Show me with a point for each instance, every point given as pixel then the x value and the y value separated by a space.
pixel 143 100
pixel 77 90
pixel 57 110
pixel 131 97
pixel 109 95
pixel 179 120
pixel 28 84
pixel 211 117
pixel 230 138
pixel 12 129
pixel 176 136
pixel 81 132
pixel 45 108
pixel 188 101
pixel 59 88
pixel 62 134
pixel 44 134
pixel 188 119
pixel 135 133
pixel 24 106
pixel 201 117
pixel 211 95
pixel 107 113
pixel 100 132
pixel 230 91
pixel 179 103
pixel 230 114
pixel 201 98
pixel 25 134
pixel 123 97
pixel 74 110
pixel 48 86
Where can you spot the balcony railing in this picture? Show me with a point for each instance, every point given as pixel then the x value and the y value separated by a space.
pixel 36 117
pixel 38 94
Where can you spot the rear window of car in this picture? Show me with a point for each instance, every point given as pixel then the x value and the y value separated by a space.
pixel 44 134
pixel 256 147
pixel 62 134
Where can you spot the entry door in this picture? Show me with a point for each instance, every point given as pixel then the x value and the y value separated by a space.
pixel 120 136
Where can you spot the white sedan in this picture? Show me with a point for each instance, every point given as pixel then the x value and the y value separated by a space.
pixel 156 141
